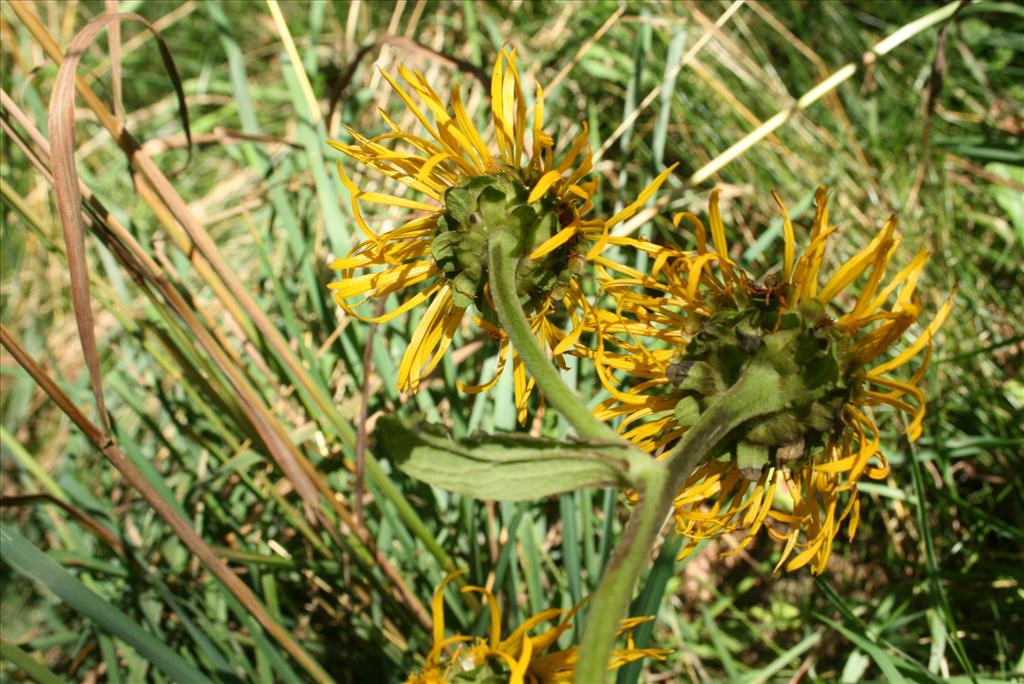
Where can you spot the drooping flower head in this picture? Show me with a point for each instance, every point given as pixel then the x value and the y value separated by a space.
pixel 468 191
pixel 692 327
pixel 519 658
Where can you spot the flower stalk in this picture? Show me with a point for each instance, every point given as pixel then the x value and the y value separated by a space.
pixel 503 262
pixel 758 392
pixel 649 476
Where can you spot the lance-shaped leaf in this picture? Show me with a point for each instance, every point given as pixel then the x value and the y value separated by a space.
pixel 500 467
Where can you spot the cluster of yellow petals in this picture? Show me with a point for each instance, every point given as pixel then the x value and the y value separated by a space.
pixel 522 655
pixel 659 310
pixel 452 150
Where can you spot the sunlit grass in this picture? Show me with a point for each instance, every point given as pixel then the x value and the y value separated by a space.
pixel 929 590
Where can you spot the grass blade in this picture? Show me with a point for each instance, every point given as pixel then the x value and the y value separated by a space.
pixel 21 555
pixel 882 659
pixel 181 527
pixel 29 665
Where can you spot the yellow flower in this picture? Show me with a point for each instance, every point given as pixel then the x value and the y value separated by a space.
pixel 518 658
pixel 468 190
pixel 688 328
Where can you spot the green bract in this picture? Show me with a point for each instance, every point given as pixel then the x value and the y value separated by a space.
pixel 482 206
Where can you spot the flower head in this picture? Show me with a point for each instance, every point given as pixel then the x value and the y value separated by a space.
pixel 469 191
pixel 708 321
pixel 518 658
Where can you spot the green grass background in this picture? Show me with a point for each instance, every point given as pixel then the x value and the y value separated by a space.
pixel 929 591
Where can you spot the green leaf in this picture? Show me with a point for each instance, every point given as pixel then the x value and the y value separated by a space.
pixel 25 558
pixel 500 467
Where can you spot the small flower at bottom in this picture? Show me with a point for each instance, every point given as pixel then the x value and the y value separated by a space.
pixel 518 658
pixel 438 258
pixel 711 321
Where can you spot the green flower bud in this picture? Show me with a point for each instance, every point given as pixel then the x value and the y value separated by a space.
pixel 483 205
pixel 802 347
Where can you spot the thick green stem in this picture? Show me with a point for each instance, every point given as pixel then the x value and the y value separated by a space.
pixel 756 393
pixel 502 263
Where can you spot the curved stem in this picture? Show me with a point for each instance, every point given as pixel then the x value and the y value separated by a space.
pixel 611 600
pixel 502 264
pixel 756 393
pixel 632 553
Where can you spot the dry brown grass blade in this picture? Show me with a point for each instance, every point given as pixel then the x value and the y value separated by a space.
pixel 145 270
pixel 163 22
pixel 292 463
pixel 201 240
pixel 303 477
pixel 61 123
pixel 69 202
pixel 11 113
pixel 114 50
pixel 83 518
pixel 181 527
pixel 166 199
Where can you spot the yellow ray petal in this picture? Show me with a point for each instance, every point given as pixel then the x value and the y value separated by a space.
pixel 642 198
pixel 470 131
pixel 718 228
pixel 853 268
pixel 502 125
pixel 492 604
pixel 542 186
pixel 418 349
pixel 521 665
pixel 483 387
pixel 698 229
pixel 402 275
pixel 541 642
pixel 789 242
pixel 539 139
pixel 437 605
pixel 853 319
pixel 820 212
pixel 578 145
pixel 513 94
pixel 392 201
pixel 410 105
pixel 407 305
pixel 555 241
pixel 919 344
